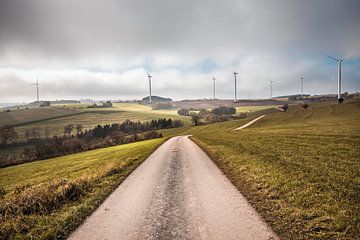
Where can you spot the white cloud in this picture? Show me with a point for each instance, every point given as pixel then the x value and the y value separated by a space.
pixel 103 49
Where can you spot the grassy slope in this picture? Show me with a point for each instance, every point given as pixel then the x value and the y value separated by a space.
pixel 91 117
pixel 300 169
pixel 47 199
pixel 252 108
pixel 23 116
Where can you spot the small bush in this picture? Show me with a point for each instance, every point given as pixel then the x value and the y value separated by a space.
pixel 285 107
pixel 242 115
pixel 305 105
pixel 151 135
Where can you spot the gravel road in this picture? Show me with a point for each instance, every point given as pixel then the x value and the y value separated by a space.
pixel 249 123
pixel 177 193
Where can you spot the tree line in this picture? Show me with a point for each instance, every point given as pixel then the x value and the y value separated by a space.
pixel 76 139
pixel 204 116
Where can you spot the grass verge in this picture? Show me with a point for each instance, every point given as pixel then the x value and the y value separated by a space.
pixel 48 199
pixel 299 169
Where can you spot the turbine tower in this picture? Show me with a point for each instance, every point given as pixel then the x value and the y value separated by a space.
pixel 149 77
pixel 271 89
pixel 302 87
pixel 339 61
pixel 214 79
pixel 235 98
pixel 37 88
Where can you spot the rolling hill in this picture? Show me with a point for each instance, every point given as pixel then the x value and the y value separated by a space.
pixel 300 169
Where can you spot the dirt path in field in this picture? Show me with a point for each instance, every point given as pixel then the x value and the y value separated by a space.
pixel 177 193
pixel 249 123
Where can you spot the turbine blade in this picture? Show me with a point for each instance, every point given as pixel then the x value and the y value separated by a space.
pixel 347 57
pixel 332 58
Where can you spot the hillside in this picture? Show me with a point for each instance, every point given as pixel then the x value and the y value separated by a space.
pixel 300 169
pixel 22 116
pixel 209 104
pixel 54 119
pixel 156 99
pixel 49 198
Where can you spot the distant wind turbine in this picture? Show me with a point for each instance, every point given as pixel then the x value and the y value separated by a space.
pixel 339 61
pixel 149 77
pixel 235 97
pixel 37 88
pixel 214 79
pixel 302 87
pixel 271 88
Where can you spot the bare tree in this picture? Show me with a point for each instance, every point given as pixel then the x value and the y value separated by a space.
pixel 195 118
pixel 79 128
pixel 7 134
pixel 68 129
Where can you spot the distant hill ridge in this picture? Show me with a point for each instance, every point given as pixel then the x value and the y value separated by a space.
pixel 156 99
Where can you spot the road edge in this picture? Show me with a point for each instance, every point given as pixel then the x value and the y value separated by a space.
pixel 69 229
pixel 264 217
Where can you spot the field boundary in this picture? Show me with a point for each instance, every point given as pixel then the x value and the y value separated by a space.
pixel 46 119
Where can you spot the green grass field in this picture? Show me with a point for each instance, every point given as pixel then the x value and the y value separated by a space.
pixel 300 169
pixel 54 119
pixel 47 199
pixel 88 117
pixel 22 116
pixel 252 108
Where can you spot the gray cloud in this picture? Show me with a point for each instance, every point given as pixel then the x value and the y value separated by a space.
pixel 104 48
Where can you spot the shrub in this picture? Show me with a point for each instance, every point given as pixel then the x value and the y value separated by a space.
pixel 304 105
pixel 195 119
pixel 184 112
pixel 224 111
pixel 151 135
pixel 285 107
pixel 242 115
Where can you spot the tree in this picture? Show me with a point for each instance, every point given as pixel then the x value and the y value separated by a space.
pixel 224 111
pixel 304 105
pixel 79 129
pixel 285 107
pixel 184 112
pixel 195 119
pixel 68 129
pixel 7 134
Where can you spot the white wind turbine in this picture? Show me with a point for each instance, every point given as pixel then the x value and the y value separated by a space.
pixel 339 61
pixel 37 88
pixel 271 88
pixel 149 77
pixel 235 96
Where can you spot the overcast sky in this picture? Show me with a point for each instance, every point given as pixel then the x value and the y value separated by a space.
pixel 103 49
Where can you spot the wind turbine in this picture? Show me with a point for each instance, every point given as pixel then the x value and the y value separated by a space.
pixel 302 87
pixel 339 61
pixel 37 88
pixel 271 89
pixel 149 77
pixel 214 79
pixel 235 73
